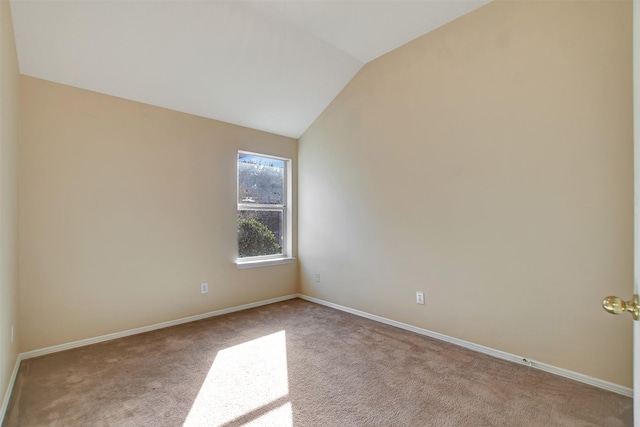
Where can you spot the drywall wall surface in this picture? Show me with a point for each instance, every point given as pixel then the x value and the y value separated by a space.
pixel 488 164
pixel 125 209
pixel 9 137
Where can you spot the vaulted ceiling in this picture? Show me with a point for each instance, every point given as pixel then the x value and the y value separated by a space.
pixel 269 65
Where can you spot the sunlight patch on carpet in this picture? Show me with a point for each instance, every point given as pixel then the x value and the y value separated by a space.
pixel 247 384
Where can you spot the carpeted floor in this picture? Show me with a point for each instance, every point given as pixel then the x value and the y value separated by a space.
pixel 296 363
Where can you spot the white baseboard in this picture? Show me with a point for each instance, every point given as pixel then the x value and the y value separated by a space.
pixel 108 337
pixel 625 391
pixel 7 394
pixel 89 341
pixel 606 385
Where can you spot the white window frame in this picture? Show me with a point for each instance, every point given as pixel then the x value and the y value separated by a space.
pixel 284 257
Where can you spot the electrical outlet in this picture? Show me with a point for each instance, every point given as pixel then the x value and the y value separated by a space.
pixel 419 297
pixel 317 277
pixel 204 288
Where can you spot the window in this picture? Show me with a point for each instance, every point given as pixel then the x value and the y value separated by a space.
pixel 263 209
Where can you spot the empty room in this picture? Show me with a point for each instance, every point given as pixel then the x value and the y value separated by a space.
pixel 319 212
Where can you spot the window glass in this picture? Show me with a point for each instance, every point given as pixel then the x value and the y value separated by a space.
pixel 262 206
pixel 260 180
pixel 259 233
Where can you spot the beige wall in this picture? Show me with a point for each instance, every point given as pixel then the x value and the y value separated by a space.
pixel 9 134
pixel 125 209
pixel 488 164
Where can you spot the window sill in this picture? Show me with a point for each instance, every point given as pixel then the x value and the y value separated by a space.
pixel 263 262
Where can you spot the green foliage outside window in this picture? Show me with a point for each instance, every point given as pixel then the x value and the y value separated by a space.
pixel 255 239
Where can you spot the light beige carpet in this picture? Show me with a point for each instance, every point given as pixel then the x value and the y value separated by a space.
pixel 296 364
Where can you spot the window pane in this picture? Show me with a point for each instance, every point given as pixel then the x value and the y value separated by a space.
pixel 259 233
pixel 260 180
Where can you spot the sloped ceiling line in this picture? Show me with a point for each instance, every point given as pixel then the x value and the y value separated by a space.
pixel 267 65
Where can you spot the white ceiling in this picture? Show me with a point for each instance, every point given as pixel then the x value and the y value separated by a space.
pixel 270 65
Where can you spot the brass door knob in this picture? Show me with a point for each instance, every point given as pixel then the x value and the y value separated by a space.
pixel 615 305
